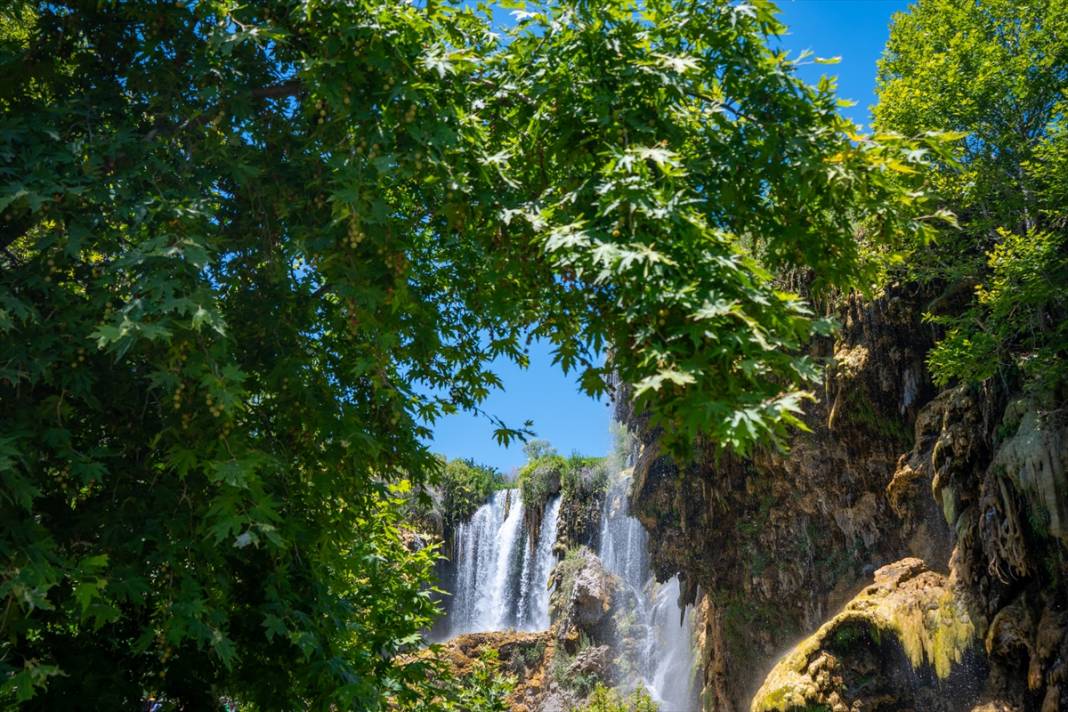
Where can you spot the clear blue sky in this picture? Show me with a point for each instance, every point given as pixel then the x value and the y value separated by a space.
pixel 854 30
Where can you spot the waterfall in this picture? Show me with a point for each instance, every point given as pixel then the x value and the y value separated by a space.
pixel 501 576
pixel 534 594
pixel 664 654
pixel 501 579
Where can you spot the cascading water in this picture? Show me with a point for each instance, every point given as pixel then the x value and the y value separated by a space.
pixel 664 654
pixel 500 582
pixel 501 576
pixel 533 611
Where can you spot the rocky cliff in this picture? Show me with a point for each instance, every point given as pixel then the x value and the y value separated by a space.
pixel 909 552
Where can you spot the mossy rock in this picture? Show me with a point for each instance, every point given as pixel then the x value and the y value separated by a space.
pixel 909 629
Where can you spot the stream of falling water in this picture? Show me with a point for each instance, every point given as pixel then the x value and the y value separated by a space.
pixel 665 653
pixel 500 575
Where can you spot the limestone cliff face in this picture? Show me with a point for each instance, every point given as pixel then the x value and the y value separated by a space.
pixel 772 547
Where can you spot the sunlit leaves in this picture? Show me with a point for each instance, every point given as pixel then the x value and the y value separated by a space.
pixel 990 76
pixel 1019 320
pixel 648 208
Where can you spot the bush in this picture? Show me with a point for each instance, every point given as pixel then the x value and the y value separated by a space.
pixel 465 486
pixel 540 479
pixel 547 472
pixel 604 699
pixel 454 492
pixel 483 689
pixel 1018 323
pixel 533 655
pixel 582 684
pixel 584 476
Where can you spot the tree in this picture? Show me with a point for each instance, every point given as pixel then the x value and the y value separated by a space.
pixel 251 252
pixel 534 449
pixel 994 72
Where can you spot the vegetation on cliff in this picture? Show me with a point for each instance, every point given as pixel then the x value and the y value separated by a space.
pixel 604 699
pixel 465 486
pixel 486 687
pixel 547 473
pixel 994 72
pixel 452 494
pixel 581 482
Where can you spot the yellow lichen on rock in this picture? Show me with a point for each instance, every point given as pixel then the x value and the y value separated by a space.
pixel 915 606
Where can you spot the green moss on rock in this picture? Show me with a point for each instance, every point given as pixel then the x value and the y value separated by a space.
pixel 908 604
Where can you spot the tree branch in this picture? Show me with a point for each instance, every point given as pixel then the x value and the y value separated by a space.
pixel 279 91
pixel 275 91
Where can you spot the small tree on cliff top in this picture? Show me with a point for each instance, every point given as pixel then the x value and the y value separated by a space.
pixel 241 244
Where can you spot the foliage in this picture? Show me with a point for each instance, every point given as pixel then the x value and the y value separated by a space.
pixel 452 494
pixel 250 253
pixel 1019 319
pixel 994 71
pixel 604 699
pixel 532 655
pixel 465 486
pixel 581 683
pixel 575 559
pixel 990 70
pixel 584 476
pixel 537 449
pixel 549 473
pixel 483 688
pixel 540 479
pixel 693 160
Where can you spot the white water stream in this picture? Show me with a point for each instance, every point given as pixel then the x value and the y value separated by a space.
pixel 665 654
pixel 501 577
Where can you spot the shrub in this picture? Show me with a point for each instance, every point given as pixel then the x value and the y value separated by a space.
pixel 581 684
pixel 548 473
pixel 540 479
pixel 604 699
pixel 584 476
pixel 533 655
pixel 465 486
pixel 483 689
pixel 1019 320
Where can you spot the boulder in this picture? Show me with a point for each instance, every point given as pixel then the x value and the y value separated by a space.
pixel 906 641
pixel 591 595
pixel 584 593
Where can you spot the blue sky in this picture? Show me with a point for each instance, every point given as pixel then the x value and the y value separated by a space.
pixel 854 30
